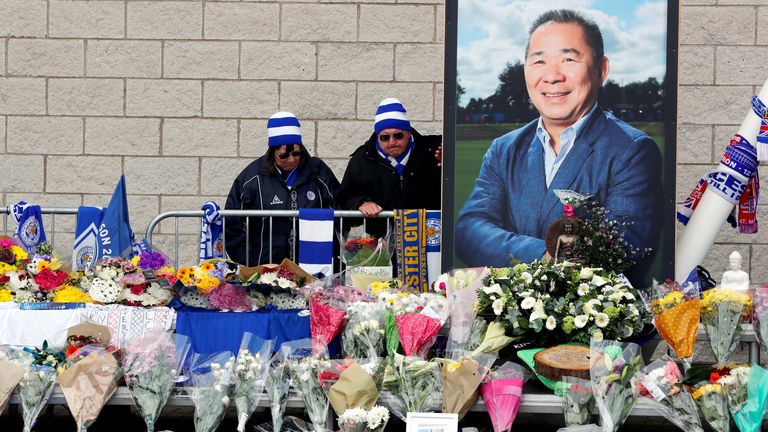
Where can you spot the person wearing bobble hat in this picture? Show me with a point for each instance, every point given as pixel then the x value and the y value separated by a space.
pixel 396 168
pixel 285 178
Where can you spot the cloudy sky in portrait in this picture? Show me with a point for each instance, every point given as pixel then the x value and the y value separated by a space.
pixel 493 32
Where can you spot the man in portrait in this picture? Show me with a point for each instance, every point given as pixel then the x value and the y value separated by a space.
pixel 572 145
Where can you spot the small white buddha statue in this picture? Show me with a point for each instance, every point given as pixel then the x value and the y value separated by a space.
pixel 735 278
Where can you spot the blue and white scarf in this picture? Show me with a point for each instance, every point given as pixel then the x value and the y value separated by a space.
pixel 211 232
pixel 289 177
pixel 29 224
pixel 398 163
pixel 316 240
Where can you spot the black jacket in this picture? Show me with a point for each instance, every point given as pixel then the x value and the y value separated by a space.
pixel 369 177
pixel 256 189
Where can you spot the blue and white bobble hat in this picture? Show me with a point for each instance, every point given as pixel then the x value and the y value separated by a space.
pixel 283 129
pixel 391 115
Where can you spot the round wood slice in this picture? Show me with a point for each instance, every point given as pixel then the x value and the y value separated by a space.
pixel 564 360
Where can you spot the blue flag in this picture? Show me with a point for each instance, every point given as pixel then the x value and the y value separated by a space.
pixel 29 228
pixel 115 234
pixel 86 246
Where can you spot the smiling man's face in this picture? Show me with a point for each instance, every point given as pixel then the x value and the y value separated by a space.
pixel 561 74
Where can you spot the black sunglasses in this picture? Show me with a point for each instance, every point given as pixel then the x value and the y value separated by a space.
pixel 396 135
pixel 285 155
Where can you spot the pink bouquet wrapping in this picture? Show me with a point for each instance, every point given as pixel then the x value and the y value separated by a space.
pixel 417 332
pixel 325 323
pixel 502 393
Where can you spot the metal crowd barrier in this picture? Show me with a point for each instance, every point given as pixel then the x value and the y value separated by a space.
pixel 270 214
pixel 50 231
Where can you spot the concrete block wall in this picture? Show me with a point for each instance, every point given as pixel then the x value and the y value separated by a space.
pixel 175 94
pixel 722 47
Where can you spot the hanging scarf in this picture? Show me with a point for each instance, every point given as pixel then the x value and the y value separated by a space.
pixel 398 163
pixel 411 242
pixel 29 225
pixel 211 233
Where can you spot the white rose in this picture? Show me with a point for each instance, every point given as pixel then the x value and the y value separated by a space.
pixel 586 273
pixel 527 277
pixel 551 323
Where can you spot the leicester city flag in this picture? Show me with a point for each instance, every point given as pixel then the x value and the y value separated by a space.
pixel 29 228
pixel 115 234
pixel 86 244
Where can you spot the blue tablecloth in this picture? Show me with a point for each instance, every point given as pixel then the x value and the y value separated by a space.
pixel 214 331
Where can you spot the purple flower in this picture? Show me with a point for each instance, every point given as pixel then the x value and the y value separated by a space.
pixel 151 260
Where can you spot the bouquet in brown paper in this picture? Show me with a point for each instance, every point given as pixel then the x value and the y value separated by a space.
pixel 349 384
pixel 13 364
pixel 88 384
pixel 462 376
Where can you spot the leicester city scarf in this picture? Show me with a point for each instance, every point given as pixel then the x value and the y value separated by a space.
pixel 433 245
pixel 398 163
pixel 29 224
pixel 410 247
pixel 316 240
pixel 211 233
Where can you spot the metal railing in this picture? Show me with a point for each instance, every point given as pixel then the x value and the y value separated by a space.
pixel 270 214
pixel 50 231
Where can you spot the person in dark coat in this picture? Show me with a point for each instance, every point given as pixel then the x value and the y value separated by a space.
pixel 397 168
pixel 285 178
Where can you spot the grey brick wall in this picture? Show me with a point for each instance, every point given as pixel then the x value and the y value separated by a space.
pixel 722 47
pixel 176 94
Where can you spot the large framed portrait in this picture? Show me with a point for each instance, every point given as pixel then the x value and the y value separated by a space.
pixel 522 75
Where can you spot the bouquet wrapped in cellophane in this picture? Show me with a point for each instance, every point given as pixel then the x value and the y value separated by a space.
pixel 37 383
pixel 250 373
pixel 751 414
pixel 713 405
pixel 412 385
pixel 660 381
pixel 578 401
pixel 305 367
pixel 363 335
pixel 502 391
pixel 212 379
pixel 613 373
pixel 460 287
pixel 277 385
pixel 722 311
pixel 352 383
pixel 760 315
pixel 151 365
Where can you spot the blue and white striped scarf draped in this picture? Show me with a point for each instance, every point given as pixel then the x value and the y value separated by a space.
pixel 289 177
pixel 316 240
pixel 397 162
pixel 211 232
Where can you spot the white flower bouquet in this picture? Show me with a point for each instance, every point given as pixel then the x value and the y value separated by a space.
pixel 35 388
pixel 250 373
pixel 305 373
pixel 614 381
pixel 661 381
pixel 362 420
pixel 212 379
pixel 277 385
pixel 413 385
pixel 364 333
pixel 151 365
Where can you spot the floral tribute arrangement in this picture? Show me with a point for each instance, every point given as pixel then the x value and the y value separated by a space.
pixel 362 420
pixel 676 312
pixel 502 391
pixel 760 315
pixel 212 382
pixel 367 251
pixel 713 405
pixel 14 364
pixel 661 382
pixel 722 311
pixel 614 381
pixel 561 302
pixel 578 401
pixel 414 385
pixel 251 369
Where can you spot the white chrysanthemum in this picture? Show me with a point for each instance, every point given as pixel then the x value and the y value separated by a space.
pixel 149 300
pixel 601 320
pixel 104 290
pixel 498 307
pixel 551 323
pixel 583 289
pixel 580 321
pixel 267 278
pixel 285 283
pixel 377 417
pixel 355 415
pixel 528 303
